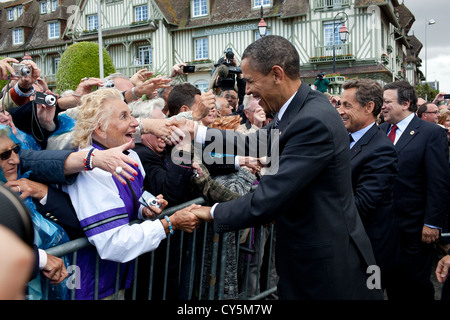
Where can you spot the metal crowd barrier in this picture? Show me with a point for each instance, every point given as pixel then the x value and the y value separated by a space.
pixel 205 273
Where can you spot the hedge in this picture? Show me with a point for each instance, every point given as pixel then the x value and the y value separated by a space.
pixel 78 61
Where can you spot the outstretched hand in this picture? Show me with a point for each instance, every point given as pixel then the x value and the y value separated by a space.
pixel 185 220
pixel 110 159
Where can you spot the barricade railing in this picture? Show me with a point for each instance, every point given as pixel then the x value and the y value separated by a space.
pixel 210 266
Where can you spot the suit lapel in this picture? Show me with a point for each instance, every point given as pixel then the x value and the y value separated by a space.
pixel 363 141
pixel 410 132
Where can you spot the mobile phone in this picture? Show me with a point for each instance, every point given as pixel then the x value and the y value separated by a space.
pixel 446 96
pixel 188 69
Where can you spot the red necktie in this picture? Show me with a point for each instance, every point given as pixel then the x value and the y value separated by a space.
pixel 392 133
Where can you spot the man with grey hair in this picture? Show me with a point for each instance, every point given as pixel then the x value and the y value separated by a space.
pixel 254 113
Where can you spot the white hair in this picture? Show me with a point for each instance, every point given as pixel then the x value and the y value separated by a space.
pixel 144 109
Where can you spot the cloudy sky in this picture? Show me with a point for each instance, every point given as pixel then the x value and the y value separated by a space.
pixel 437 40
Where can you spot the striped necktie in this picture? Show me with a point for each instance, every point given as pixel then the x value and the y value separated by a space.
pixel 277 123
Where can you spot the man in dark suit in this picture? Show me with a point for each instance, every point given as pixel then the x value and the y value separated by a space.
pixel 374 168
pixel 420 188
pixel 322 250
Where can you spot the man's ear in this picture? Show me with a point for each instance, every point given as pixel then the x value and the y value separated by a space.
pixel 369 106
pixel 405 105
pixel 278 73
pixel 184 108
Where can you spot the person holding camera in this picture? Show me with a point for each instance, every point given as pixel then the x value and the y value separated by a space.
pixel 321 82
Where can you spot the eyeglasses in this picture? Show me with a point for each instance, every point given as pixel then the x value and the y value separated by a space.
pixel 435 112
pixel 7 154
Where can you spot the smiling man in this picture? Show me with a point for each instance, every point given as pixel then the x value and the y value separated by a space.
pixel 420 189
pixel 322 250
pixel 374 168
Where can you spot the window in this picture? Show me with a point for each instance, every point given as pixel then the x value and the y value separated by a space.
pixel 53 30
pixel 259 3
pixel 43 6
pixel 92 22
pixel 17 36
pixel 145 55
pixel 10 14
pixel 328 38
pixel 201 48
pixel 329 32
pixel 202 85
pixel 140 13
pixel 19 11
pixel 55 64
pixel 200 8
pixel 54 4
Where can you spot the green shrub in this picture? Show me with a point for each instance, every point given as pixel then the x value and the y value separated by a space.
pixel 2 82
pixel 78 61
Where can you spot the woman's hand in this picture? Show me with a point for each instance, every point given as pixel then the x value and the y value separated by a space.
pixel 153 211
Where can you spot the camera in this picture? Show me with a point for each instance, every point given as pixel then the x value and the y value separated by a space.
pixel 21 70
pixel 446 96
pixel 149 200
pixel 188 69
pixel 227 73
pixel 109 83
pixel 46 99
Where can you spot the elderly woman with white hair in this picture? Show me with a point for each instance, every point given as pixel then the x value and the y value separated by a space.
pixel 105 206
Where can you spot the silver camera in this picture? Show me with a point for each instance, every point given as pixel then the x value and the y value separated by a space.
pixel 21 70
pixel 149 200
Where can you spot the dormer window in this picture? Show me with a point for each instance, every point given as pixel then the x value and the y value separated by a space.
pixel 13 13
pixel 53 30
pixel 43 7
pixel 17 35
pixel 54 5
pixel 199 8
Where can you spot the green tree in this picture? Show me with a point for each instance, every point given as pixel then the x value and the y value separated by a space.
pixel 2 82
pixel 78 61
pixel 425 92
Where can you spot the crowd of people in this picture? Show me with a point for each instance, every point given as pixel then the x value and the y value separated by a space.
pixel 342 191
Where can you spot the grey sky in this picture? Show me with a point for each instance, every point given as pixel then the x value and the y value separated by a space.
pixel 438 37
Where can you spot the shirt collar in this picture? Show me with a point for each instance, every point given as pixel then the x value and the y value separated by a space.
pixel 405 122
pixel 358 134
pixel 284 107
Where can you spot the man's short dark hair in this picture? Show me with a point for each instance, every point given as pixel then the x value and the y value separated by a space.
pixel 405 93
pixel 422 109
pixel 181 94
pixel 367 90
pixel 272 50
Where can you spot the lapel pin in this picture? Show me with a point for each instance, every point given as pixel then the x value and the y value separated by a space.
pixel 412 132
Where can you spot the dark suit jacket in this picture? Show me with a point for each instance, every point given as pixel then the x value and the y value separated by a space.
pixel 374 168
pixel 59 209
pixel 322 249
pixel 421 187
